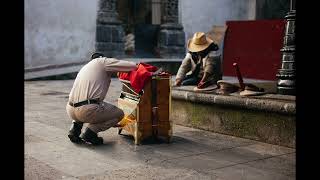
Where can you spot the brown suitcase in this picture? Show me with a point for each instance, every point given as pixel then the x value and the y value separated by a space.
pixel 147 116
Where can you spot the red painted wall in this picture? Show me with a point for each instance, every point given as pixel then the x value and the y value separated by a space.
pixel 255 46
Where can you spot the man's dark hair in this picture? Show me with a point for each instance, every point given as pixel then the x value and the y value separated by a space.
pixel 96 55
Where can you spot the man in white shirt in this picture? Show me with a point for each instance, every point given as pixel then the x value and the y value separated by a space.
pixel 86 99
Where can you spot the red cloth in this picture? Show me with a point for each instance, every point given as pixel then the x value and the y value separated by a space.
pixel 139 77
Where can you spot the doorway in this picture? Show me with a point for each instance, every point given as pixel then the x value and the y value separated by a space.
pixel 141 22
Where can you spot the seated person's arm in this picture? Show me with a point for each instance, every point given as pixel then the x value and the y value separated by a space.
pixel 183 69
pixel 211 70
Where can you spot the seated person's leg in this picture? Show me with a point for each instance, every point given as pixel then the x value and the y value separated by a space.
pixel 190 80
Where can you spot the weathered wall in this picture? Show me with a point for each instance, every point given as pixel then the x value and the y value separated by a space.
pixel 63 31
pixel 59 31
pixel 273 128
pixel 201 15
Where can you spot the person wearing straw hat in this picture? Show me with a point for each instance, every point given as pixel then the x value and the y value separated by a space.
pixel 198 66
pixel 86 103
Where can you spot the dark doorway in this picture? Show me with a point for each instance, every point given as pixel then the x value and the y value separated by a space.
pixel 272 9
pixel 141 32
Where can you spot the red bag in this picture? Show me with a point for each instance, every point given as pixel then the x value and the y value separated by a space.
pixel 139 77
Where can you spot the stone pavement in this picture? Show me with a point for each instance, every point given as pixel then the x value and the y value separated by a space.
pixel 193 153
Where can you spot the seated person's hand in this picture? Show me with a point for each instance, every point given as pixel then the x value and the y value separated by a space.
pixel 178 82
pixel 200 84
pixel 204 84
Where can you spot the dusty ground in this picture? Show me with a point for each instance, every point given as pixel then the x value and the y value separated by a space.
pixel 193 154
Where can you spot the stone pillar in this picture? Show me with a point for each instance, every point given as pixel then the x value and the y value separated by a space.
pixel 286 75
pixel 171 42
pixel 109 32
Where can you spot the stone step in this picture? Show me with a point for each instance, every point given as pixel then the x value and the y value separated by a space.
pixel 268 118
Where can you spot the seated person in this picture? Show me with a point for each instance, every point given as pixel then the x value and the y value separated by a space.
pixel 197 68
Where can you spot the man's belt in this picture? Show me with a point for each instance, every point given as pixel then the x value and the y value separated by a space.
pixel 88 101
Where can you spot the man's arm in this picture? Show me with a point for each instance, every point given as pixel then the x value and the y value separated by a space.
pixel 116 65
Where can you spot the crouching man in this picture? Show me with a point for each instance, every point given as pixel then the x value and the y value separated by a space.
pixel 86 99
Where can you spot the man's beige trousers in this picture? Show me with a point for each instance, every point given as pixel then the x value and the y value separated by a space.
pixel 99 116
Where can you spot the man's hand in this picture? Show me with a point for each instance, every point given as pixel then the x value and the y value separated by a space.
pixel 178 82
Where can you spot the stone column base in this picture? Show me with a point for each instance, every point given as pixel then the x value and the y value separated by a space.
pixel 109 40
pixel 286 86
pixel 171 42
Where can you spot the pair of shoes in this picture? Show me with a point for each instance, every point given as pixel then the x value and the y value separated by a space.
pixel 91 137
pixel 75 131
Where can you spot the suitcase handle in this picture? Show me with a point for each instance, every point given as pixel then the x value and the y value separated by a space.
pixel 154 105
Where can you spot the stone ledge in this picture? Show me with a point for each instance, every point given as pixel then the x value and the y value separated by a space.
pixel 268 127
pixel 53 66
pixel 269 102
pixel 268 118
